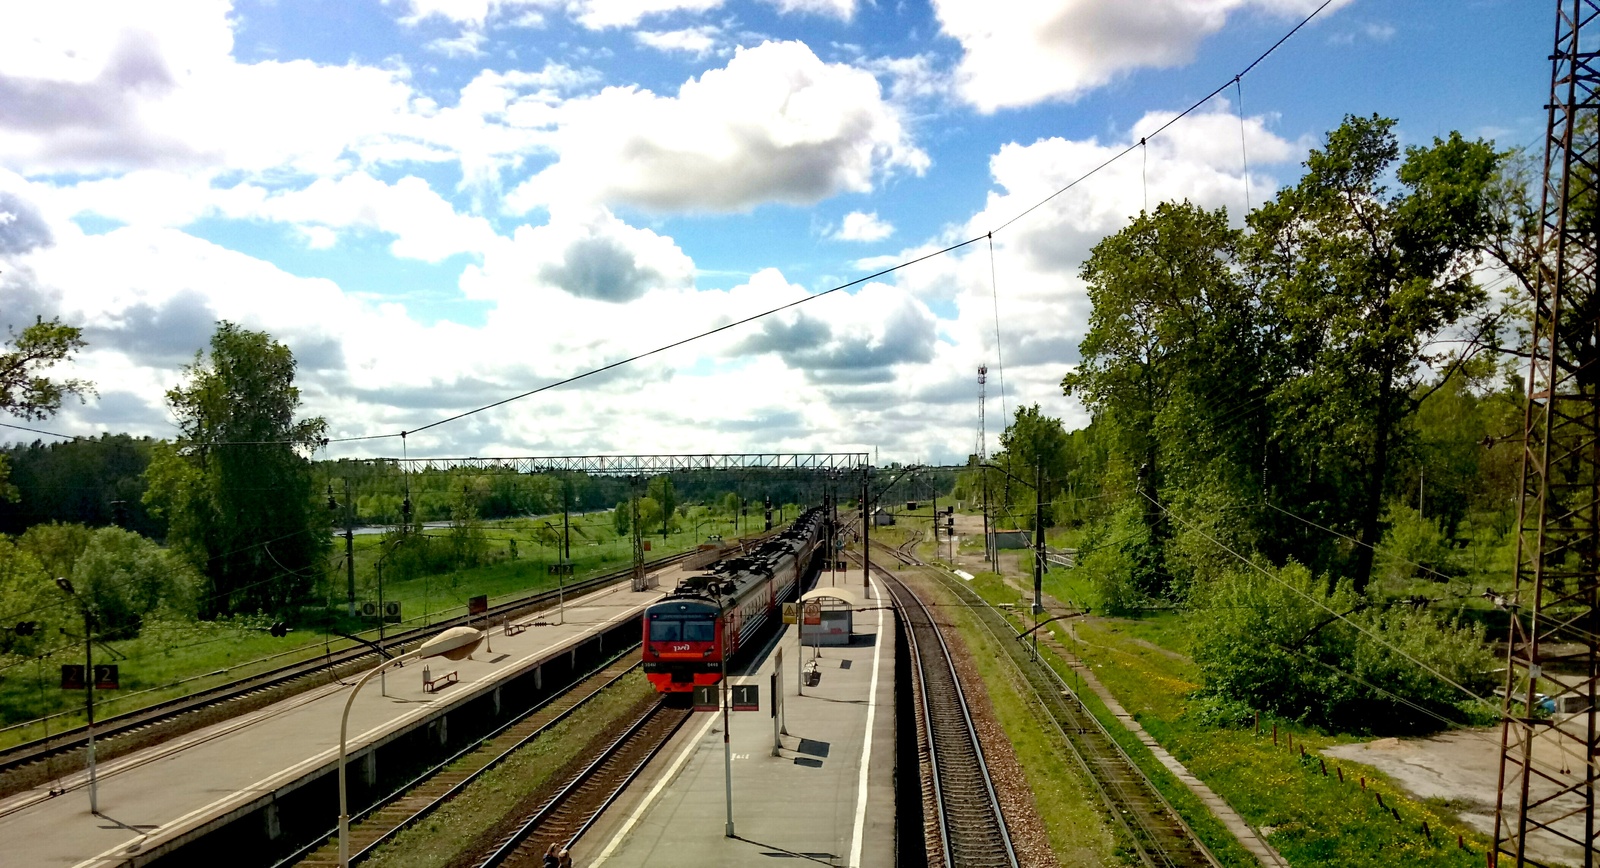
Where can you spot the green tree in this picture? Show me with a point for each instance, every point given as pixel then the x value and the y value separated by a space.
pixel 1362 284
pixel 666 498
pixel 1172 369
pixel 127 577
pixel 1033 448
pixel 236 487
pixel 25 391
pixel 28 595
pixel 622 518
pixel 468 545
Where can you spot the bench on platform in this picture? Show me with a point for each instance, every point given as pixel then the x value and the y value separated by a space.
pixel 433 685
pixel 514 629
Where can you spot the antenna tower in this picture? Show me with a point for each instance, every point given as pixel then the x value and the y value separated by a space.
pixel 1545 807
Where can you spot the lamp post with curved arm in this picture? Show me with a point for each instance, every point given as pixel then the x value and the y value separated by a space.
pixel 456 643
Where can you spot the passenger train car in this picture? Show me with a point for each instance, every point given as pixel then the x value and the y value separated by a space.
pixel 712 616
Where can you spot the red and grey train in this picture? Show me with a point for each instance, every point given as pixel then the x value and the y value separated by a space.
pixel 709 617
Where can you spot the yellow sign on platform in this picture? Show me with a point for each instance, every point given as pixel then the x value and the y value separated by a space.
pixel 791 613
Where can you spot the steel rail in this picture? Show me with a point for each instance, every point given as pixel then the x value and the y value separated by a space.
pixel 502 754
pixel 1114 794
pixel 951 838
pixel 529 826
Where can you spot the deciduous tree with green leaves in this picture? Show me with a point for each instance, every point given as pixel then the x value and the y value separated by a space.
pixel 1172 367
pixel 665 495
pixel 25 391
pixel 1365 288
pixel 236 486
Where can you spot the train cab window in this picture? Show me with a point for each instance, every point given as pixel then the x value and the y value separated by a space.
pixel 700 630
pixel 666 630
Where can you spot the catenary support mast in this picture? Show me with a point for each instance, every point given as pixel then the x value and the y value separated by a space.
pixel 1555 605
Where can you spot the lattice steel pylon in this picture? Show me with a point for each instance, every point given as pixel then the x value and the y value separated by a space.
pixel 1544 814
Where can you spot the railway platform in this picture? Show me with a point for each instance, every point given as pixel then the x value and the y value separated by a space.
pixel 828 797
pixel 156 799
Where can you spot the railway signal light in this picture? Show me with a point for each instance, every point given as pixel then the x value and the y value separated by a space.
pixel 278 629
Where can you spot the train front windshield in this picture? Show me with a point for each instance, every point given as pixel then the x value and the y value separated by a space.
pixel 677 628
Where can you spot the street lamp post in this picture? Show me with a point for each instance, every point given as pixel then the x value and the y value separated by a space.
pixel 456 643
pixel 65 584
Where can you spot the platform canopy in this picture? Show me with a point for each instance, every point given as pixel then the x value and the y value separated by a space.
pixel 848 596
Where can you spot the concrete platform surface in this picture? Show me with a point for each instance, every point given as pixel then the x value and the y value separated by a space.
pixel 827 797
pixel 169 790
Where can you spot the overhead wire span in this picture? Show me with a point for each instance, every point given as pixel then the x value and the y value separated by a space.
pixel 989 236
pixel 705 334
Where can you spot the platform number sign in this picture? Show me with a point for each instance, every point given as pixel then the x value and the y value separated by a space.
pixel 746 697
pixel 106 677
pixel 705 697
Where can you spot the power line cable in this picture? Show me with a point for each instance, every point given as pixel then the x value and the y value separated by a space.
pixel 949 249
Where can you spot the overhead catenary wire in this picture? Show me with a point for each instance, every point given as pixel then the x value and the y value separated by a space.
pixel 989 236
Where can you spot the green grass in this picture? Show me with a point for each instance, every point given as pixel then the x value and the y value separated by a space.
pixel 1316 820
pixel 1313 820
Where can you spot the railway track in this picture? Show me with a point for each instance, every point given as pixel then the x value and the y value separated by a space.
pixel 151 724
pixel 430 790
pixel 1157 835
pixel 568 814
pixel 970 829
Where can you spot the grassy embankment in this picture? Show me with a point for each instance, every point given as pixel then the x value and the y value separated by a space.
pixel 176 658
pixel 1311 818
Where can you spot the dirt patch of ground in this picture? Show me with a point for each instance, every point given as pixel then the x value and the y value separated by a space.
pixel 1462 770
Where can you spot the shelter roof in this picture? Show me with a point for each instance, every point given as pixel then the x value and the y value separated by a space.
pixel 849 596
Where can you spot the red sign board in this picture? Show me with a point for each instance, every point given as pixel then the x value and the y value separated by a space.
pixel 106 677
pixel 813 613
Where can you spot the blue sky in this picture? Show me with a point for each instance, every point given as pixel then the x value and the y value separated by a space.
pixel 440 203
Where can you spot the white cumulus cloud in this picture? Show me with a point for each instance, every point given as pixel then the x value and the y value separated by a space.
pixel 698 41
pixel 862 226
pixel 1021 53
pixel 776 124
pixel 586 252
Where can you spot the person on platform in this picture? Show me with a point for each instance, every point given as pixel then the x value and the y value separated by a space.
pixel 552 855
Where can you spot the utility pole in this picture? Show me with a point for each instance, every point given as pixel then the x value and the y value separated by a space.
pixel 65 584
pixel 637 523
pixel 566 527
pixel 1038 534
pixel 866 525
pixel 349 548
pixel 1555 603
pixel 935 518
pixel 983 458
